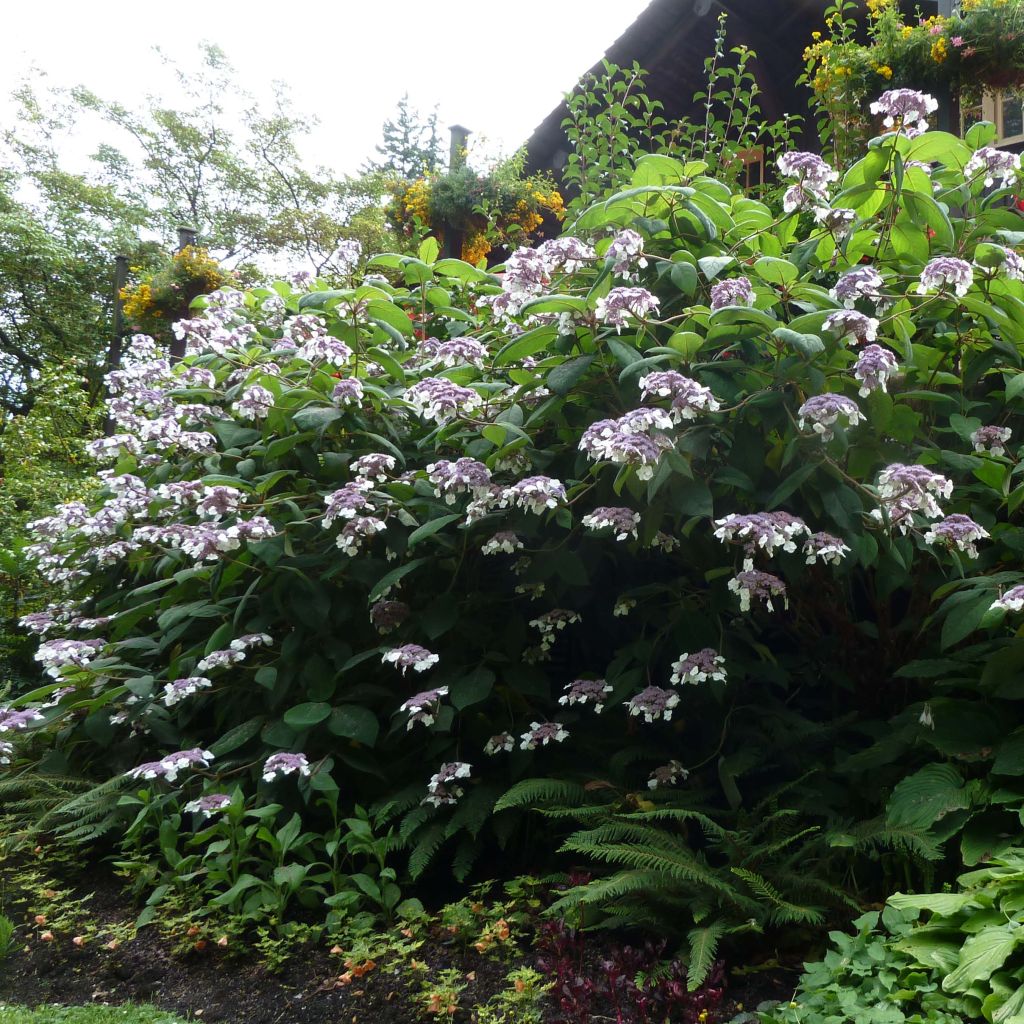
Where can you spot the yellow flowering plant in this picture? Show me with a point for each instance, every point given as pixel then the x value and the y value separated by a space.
pixel 158 299
pixel 498 207
pixel 979 48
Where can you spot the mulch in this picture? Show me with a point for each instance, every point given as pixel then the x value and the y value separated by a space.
pixel 214 985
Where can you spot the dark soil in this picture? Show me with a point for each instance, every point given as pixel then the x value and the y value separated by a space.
pixel 213 985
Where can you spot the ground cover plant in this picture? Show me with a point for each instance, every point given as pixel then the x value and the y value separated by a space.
pixel 696 528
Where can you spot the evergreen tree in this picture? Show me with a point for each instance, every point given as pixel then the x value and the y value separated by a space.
pixel 411 145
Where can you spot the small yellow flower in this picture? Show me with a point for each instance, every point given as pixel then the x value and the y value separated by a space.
pixel 885 71
pixel 940 50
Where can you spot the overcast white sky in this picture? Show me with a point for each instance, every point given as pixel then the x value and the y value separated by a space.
pixel 496 67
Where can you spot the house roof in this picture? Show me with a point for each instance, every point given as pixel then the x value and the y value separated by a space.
pixel 672 38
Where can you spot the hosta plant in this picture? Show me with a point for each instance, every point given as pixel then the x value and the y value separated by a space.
pixel 705 497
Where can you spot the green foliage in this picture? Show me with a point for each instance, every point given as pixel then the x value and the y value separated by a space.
pixel 7 936
pixel 844 727
pixel 612 123
pixel 411 146
pixel 86 1015
pixel 867 978
pixel 972 937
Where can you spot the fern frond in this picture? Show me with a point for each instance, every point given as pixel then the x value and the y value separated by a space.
pixel 783 911
pixel 531 792
pixel 703 946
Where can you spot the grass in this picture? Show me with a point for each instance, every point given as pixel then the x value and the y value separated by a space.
pixel 85 1015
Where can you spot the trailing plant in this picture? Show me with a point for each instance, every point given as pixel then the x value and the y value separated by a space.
pixel 159 299
pixel 978 49
pixel 499 206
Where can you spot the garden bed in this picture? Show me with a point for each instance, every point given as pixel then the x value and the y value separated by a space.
pixel 233 987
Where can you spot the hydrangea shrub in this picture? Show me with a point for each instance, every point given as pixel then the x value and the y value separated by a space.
pixel 707 487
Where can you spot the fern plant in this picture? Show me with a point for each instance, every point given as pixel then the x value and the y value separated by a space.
pixel 669 864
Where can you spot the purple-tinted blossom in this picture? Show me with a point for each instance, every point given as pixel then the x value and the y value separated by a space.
pixel 689 398
pixel 851 323
pixel 168 767
pixel 653 703
pixel 114 446
pixel 1012 600
pixel 541 734
pixel 957 531
pixel 912 489
pixel 809 169
pixel 566 253
pixel 218 501
pixel 443 787
pixel 345 503
pixel 859 283
pixel 503 542
pixel 375 466
pixel 410 656
pixel 438 399
pixel 733 291
pixel 325 349
pixel 503 741
pixel 39 623
pixel 906 110
pixel 283 763
pixel 220 659
pixel 623 521
pixel 357 531
pixel 208 805
pixel 15 721
pixel 621 441
pixel 667 775
pixel 824 411
pixel 179 689
pixel 300 279
pixel 304 327
pixel 586 691
pixel 255 403
pixel 460 351
pixel 1012 264
pixel 874 366
pixel 525 276
pixel 619 304
pixel 761 531
pixel 826 547
pixel 752 585
pixel 946 272
pixel 698 668
pixel 799 197
pixel 992 439
pixel 626 250
pixel 6 752
pixel 465 476
pixel 348 254
pixel 55 655
pixel 256 529
pixel 423 706
pixel 992 163
pixel 533 494
pixel 839 220
pixel 348 391
pixel 247 640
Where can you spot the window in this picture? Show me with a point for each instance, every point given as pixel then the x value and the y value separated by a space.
pixel 1004 109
